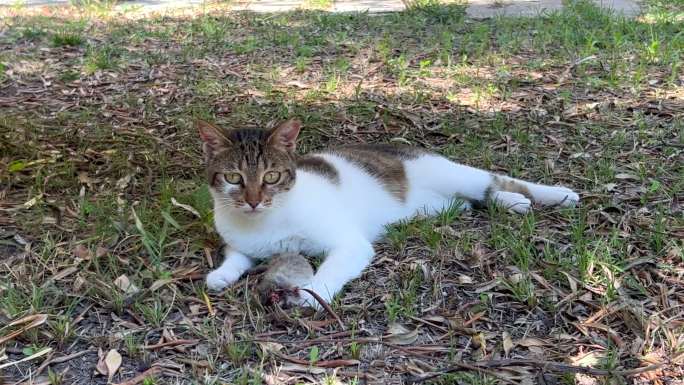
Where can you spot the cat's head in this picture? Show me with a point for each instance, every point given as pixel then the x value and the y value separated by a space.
pixel 250 170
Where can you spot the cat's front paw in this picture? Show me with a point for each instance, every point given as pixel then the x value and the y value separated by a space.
pixel 221 278
pixel 557 196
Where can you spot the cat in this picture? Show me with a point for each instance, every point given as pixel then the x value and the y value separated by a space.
pixel 336 202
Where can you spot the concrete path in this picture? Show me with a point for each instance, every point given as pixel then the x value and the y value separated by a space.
pixel 476 8
pixel 490 8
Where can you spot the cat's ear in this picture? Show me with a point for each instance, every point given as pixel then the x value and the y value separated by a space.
pixel 213 138
pixel 285 135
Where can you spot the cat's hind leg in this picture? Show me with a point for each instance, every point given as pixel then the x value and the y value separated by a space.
pixel 512 201
pixel 480 187
pixel 541 194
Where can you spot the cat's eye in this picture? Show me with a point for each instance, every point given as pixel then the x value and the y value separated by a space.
pixel 233 177
pixel 271 177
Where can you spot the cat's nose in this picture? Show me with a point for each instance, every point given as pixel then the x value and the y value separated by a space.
pixel 253 198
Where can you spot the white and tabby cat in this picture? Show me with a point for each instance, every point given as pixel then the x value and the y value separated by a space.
pixel 269 200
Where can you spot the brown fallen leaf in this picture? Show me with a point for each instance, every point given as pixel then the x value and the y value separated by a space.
pixel 591 359
pixel 194 309
pixel 507 343
pixel 464 279
pixel 626 176
pixel 78 284
pixel 446 230
pixel 515 278
pixel 101 367
pixel 477 256
pixel 271 347
pixel 64 273
pixel 299 368
pixel 436 319
pixel 123 182
pixel 101 252
pixel 113 363
pixel 125 284
pixel 82 252
pixel 479 343
pixel 487 286
pixel 399 335
pixel 156 285
pixel 29 322
pixel 84 178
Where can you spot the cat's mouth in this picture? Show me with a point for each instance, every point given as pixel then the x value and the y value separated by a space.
pixel 253 212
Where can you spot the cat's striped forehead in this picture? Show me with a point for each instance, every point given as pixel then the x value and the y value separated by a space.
pixel 250 145
pixel 248 135
pixel 249 148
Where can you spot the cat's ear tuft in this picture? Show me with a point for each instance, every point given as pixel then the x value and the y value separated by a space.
pixel 213 138
pixel 285 135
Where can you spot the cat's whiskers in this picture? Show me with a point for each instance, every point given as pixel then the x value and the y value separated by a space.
pixel 225 204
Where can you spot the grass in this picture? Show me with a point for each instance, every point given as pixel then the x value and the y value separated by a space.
pixel 61 38
pixel 101 177
pixel 99 59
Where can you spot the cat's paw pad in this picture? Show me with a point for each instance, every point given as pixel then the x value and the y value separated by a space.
pixel 512 202
pixel 221 278
pixel 558 196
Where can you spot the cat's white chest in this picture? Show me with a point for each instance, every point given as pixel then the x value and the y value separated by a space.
pixel 289 244
pixel 266 243
pixel 265 247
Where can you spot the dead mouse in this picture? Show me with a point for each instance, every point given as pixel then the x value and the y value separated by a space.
pixel 284 274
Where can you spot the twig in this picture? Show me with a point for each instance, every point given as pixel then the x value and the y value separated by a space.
pixel 429 324
pixel 604 312
pixel 59 360
pixel 170 343
pixel 325 306
pixel 29 358
pixel 320 364
pixel 271 333
pixel 70 357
